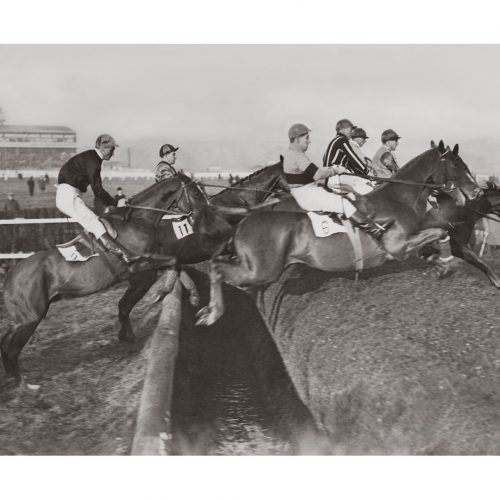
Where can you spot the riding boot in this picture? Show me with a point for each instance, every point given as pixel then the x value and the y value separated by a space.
pixel 113 246
pixel 359 219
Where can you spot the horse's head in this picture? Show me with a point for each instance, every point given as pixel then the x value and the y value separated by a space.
pixel 176 194
pixel 190 196
pixel 452 172
pixel 253 189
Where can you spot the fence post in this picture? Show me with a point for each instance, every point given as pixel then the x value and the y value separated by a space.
pixel 153 430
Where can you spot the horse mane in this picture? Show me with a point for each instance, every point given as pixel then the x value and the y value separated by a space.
pixel 247 178
pixel 412 162
pixel 153 188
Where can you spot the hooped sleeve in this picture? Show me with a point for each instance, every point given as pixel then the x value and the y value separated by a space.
pixel 306 177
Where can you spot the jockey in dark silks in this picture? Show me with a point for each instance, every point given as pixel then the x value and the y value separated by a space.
pixel 75 176
pixel 301 174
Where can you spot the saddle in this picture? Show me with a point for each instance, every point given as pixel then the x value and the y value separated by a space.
pixel 327 224
pixel 83 247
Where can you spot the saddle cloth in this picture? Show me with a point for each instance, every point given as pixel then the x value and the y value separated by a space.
pixel 83 247
pixel 323 225
pixel 182 226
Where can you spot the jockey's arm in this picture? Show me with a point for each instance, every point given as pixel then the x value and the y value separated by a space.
pixel 305 177
pixel 322 172
pixel 388 161
pixel 357 166
pixel 99 191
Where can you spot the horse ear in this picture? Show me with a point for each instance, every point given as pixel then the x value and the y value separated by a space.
pixel 441 147
pixel 433 144
pixel 455 149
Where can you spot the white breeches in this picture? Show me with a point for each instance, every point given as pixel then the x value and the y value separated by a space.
pixel 360 185
pixel 69 201
pixel 314 198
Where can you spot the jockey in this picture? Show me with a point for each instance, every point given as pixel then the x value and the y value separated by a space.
pixel 75 176
pixel 165 169
pixel 341 156
pixel 384 161
pixel 357 141
pixel 301 174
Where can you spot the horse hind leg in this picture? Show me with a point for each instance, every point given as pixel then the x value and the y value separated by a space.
pixel 11 346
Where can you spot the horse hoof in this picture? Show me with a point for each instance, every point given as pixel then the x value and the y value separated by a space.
pixel 203 316
pixel 202 312
pixel 445 272
pixel 194 300
pixel 201 322
pixel 126 337
pixel 24 387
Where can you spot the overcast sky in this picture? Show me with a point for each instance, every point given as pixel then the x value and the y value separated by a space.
pixel 254 91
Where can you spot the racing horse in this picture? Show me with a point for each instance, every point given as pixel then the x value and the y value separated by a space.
pixel 45 277
pixel 266 242
pixel 234 201
pixel 459 222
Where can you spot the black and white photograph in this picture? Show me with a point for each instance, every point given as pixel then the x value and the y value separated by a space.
pixel 270 249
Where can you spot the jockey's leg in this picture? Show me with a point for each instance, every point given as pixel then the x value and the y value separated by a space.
pixel 358 184
pixel 69 201
pixel 317 199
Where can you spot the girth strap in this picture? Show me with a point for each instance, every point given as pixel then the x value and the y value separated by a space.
pixel 353 233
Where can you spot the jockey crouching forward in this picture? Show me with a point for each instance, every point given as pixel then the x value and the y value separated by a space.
pixel 301 174
pixel 75 176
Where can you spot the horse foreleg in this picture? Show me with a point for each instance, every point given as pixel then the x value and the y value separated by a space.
pixel 188 284
pixel 139 284
pixel 422 238
pixel 445 263
pixel 208 315
pixel 472 258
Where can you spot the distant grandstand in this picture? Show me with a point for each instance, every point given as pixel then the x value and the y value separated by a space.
pixel 35 147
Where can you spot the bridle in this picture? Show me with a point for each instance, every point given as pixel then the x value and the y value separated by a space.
pixel 182 191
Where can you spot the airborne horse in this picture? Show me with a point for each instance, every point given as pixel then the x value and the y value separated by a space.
pixel 45 277
pixel 459 222
pixel 248 193
pixel 267 242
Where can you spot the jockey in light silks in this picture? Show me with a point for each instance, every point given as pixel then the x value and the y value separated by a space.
pixel 301 174
pixel 341 157
pixel 75 176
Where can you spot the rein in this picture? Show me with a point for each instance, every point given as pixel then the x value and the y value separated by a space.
pixel 486 216
pixel 237 188
pixel 183 189
pixel 444 187
pixel 169 212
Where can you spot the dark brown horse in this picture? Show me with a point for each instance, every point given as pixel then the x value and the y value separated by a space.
pixel 249 192
pixel 45 277
pixel 267 242
pixel 459 222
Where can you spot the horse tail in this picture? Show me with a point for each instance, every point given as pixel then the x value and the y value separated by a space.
pixel 212 228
